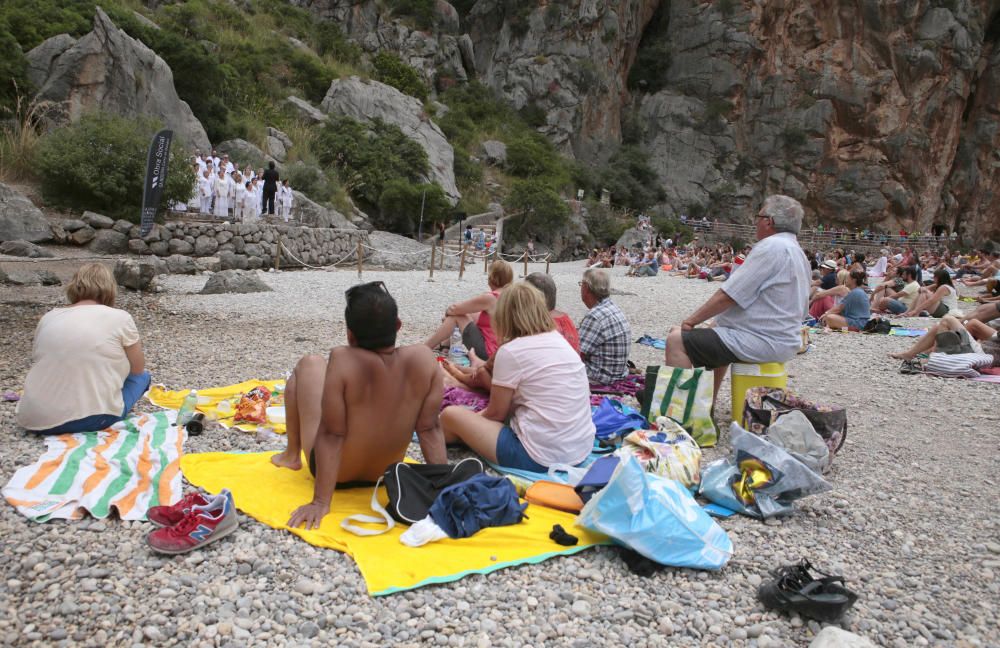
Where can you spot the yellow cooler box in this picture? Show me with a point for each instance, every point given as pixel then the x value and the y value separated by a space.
pixel 745 376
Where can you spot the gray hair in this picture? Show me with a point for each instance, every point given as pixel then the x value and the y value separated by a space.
pixel 786 212
pixel 546 285
pixel 599 282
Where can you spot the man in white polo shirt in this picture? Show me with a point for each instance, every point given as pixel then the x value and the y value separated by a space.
pixel 759 309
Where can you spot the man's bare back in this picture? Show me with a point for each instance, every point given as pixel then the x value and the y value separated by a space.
pixel 357 411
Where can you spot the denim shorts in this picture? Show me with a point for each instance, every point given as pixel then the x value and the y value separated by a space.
pixel 896 307
pixel 132 390
pixel 511 454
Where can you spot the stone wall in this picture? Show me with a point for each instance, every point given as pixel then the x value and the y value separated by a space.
pixel 189 247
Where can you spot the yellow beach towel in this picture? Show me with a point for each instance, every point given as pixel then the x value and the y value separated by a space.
pixel 210 398
pixel 270 494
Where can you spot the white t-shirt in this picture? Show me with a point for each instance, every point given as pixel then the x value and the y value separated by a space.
pixel 551 406
pixel 78 366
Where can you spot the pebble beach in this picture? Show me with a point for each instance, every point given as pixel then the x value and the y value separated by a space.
pixel 913 521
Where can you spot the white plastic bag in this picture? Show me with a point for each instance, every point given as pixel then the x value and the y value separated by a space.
pixel 656 517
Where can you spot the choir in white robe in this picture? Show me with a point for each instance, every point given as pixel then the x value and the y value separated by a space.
pixel 239 198
pixel 220 188
pixel 205 193
pixel 285 202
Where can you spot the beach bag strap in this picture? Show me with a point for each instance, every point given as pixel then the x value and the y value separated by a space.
pixel 669 392
pixel 691 385
pixel 383 517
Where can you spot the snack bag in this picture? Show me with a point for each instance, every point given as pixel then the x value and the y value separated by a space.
pixel 252 407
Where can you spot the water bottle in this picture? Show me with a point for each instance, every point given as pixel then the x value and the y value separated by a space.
pixel 456 350
pixel 188 408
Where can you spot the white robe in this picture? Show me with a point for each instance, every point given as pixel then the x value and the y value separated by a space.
pixel 221 209
pixel 205 194
pixel 239 196
pixel 285 206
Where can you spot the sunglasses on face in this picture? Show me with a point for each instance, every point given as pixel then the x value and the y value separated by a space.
pixel 371 285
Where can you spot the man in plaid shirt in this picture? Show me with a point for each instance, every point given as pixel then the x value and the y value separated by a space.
pixel 605 336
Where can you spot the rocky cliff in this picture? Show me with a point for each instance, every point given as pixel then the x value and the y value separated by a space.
pixel 869 112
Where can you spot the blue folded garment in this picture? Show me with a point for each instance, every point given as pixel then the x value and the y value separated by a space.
pixel 649 340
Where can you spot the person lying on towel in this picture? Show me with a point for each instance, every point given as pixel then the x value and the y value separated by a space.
pixel 353 414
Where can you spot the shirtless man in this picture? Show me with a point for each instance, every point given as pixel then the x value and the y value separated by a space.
pixel 354 414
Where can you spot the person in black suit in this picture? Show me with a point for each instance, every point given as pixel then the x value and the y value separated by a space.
pixel 270 188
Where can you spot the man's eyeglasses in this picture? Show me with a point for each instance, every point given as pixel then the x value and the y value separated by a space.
pixel 371 285
pixel 760 216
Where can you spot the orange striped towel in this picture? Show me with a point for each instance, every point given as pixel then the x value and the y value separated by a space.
pixel 130 467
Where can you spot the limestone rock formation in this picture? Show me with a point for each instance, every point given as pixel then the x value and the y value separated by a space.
pixel 20 219
pixel 571 59
pixel 440 54
pixel 366 101
pixel 234 281
pixel 494 152
pixel 109 70
pixel 108 241
pixel 306 110
pixel 242 152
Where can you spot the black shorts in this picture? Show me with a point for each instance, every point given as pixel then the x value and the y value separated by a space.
pixel 341 485
pixel 472 338
pixel 704 348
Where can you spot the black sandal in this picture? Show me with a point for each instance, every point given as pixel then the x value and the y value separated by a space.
pixel 794 589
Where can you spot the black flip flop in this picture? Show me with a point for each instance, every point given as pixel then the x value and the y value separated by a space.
pixel 794 589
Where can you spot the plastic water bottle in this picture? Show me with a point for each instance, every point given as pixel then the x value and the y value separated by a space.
pixel 188 408
pixel 456 350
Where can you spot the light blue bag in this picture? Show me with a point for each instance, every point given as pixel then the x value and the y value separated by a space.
pixel 656 517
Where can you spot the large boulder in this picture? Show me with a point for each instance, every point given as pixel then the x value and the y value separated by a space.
pixel 313 214
pixel 495 152
pixel 97 221
pixel 108 241
pixel 20 220
pixel 242 152
pixel 234 281
pixel 107 70
pixel 632 237
pixel 834 637
pixel 29 277
pixel 306 110
pixel 180 264
pixel 23 249
pixel 370 100
pixel 395 252
pixel 138 274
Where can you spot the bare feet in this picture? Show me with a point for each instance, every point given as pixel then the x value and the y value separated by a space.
pixel 903 355
pixel 287 460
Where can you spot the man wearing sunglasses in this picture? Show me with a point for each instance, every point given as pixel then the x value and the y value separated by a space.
pixel 759 309
pixel 354 414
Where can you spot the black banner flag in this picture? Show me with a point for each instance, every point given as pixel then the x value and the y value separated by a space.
pixel 156 177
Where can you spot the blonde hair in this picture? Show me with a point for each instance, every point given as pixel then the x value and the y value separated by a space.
pixel 842 276
pixel 92 281
pixel 501 273
pixel 521 312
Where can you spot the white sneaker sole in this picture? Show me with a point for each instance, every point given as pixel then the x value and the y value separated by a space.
pixel 216 536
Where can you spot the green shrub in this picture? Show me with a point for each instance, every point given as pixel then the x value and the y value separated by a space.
pixel 540 212
pixel 531 157
pixel 533 115
pixel 421 11
pixel 32 21
pixel 474 109
pixel 99 163
pixel 13 74
pixel 391 70
pixel 605 225
pixel 466 171
pixel 368 157
pixel 793 137
pixel 400 202
pixel 631 180
pixel 311 181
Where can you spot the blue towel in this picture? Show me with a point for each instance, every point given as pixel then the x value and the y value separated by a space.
pixel 649 340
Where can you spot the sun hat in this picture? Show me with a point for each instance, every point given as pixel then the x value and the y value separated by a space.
pixel 829 263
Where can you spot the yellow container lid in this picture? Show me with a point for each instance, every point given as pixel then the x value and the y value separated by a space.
pixel 764 369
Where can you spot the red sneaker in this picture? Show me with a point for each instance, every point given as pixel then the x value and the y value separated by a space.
pixel 168 516
pixel 201 525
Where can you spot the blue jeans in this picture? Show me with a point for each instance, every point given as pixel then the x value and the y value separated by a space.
pixel 896 307
pixel 132 390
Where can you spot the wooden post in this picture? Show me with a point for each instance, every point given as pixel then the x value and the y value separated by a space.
pixel 277 254
pixel 433 258
pixel 461 262
pixel 441 263
pixel 360 259
pixel 547 261
pixel 525 263
pixel 486 263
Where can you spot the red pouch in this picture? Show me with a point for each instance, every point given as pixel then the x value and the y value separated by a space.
pixel 252 407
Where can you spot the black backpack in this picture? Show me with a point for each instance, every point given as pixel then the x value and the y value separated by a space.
pixel 411 488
